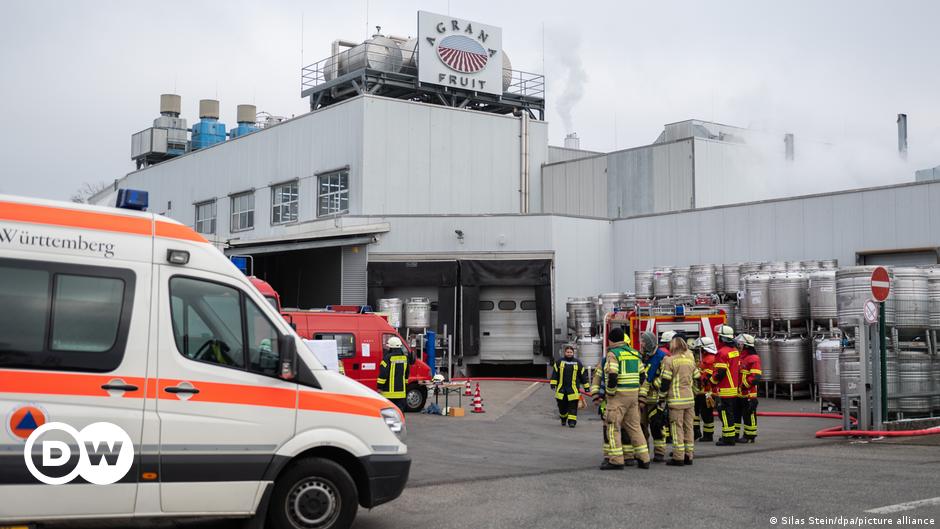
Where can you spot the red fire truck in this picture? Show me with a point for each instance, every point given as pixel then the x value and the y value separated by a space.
pixel 693 319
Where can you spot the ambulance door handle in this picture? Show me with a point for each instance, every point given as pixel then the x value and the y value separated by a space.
pixel 119 387
pixel 187 389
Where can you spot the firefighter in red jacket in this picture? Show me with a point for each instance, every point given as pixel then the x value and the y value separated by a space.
pixel 726 379
pixel 750 377
pixel 704 399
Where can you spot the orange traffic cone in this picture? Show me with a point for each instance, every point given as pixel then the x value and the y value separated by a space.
pixel 478 401
pixel 466 389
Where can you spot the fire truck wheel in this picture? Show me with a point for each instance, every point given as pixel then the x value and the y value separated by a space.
pixel 314 493
pixel 415 398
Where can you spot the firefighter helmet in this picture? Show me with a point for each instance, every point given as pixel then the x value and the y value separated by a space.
pixel 706 344
pixel 725 333
pixel 667 336
pixel 394 342
pixel 748 340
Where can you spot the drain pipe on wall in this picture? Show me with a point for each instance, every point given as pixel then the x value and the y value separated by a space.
pixel 524 162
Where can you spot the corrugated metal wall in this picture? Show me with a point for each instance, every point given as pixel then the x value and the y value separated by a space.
pixel 354 285
pixel 650 179
pixel 563 154
pixel 578 187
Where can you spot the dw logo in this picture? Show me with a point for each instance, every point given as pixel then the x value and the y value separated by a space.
pixel 105 454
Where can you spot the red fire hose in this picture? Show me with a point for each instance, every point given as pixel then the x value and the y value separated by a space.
pixel 834 431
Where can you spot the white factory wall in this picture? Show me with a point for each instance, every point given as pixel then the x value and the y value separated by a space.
pixel 730 173
pixel 650 179
pixel 429 159
pixel 563 154
pixel 837 225
pixel 578 187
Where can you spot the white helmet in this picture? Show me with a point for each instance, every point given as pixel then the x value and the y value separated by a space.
pixel 748 340
pixel 667 336
pixel 706 344
pixel 394 342
pixel 724 332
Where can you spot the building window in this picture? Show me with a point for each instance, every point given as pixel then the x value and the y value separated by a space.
pixel 243 211
pixel 205 217
pixel 284 203
pixel 334 194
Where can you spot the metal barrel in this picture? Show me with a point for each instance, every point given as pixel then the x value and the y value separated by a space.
pixel 822 295
pixel 933 295
pixel 850 373
pixel 764 351
pixel 662 282
pixel 719 279
pixel 810 265
pixel 828 351
pixel 788 296
pixel 643 283
pixel 418 313
pixel 703 279
pixel 794 266
pixel 911 302
pixel 392 307
pixel 853 289
pixel 681 284
pixel 731 274
pixel 936 383
pixel 914 370
pixel 773 266
pixel 590 351
pixel 829 264
pixel 791 357
pixel 894 381
pixel 606 303
pixel 757 290
pixel 582 315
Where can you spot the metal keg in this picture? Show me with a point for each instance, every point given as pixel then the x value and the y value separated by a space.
pixel 757 291
pixel 829 264
pixel 936 383
pixel 418 313
pixel 590 351
pixel 810 265
pixel 392 307
pixel 606 303
pixel 794 266
pixel 894 380
pixel 731 274
pixel 850 372
pixel 791 358
pixel 582 315
pixel 914 370
pixel 719 279
pixel 749 268
pixel 933 295
pixel 788 296
pixel 703 279
pixel 681 284
pixel 773 266
pixel 762 345
pixel 853 289
pixel 643 282
pixel 827 367
pixel 629 301
pixel 822 295
pixel 662 283
pixel 909 290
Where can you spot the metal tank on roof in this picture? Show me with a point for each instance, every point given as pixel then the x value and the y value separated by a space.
pixel 732 278
pixel 643 283
pixel 246 116
pixel 703 279
pixel 681 281
pixel 662 282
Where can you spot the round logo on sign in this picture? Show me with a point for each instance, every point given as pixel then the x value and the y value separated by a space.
pixel 24 420
pixel 462 54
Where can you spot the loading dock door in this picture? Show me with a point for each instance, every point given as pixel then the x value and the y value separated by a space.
pixel 508 324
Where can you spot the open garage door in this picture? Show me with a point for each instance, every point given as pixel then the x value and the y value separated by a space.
pixel 509 330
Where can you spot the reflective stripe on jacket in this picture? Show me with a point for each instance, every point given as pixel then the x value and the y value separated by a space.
pixel 393 375
pixel 624 361
pixel 679 378
pixel 567 376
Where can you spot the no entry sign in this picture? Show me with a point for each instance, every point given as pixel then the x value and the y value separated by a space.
pixel 880 284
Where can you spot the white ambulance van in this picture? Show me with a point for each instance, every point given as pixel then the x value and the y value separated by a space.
pixel 129 318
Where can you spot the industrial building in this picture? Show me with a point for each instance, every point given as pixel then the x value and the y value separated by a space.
pixel 405 183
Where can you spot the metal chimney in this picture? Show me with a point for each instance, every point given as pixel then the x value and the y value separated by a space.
pixel 788 143
pixel 572 141
pixel 902 135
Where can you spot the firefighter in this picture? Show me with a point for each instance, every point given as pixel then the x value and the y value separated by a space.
pixel 568 377
pixel 750 377
pixel 680 375
pixel 597 395
pixel 704 402
pixel 653 423
pixel 726 379
pixel 624 371
pixel 393 373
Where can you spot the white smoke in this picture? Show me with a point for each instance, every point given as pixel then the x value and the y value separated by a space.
pixel 565 47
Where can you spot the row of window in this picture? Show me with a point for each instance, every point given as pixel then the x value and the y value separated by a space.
pixel 332 199
pixel 507 305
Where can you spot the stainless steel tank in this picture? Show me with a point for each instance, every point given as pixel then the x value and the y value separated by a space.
pixel 810 265
pixel 749 268
pixel 933 295
pixel 662 282
pixel 606 303
pixel 378 53
pixel 822 295
pixel 681 284
pixel 392 307
pixel 788 296
pixel 829 264
pixel 757 290
pixel 762 345
pixel 826 361
pixel 911 301
pixel 703 279
pixel 732 278
pixel 773 266
pixel 729 309
pixel 914 372
pixel 590 351
pixel 418 313
pixel 582 316
pixel 643 282
pixel 853 289
pixel 936 383
pixel 850 373
pixel 894 380
pixel 792 360
pixel 719 279
pixel 794 266
pixel 629 301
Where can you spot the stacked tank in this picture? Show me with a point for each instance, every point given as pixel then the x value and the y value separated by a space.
pixel 393 308
pixel 582 317
pixel 418 314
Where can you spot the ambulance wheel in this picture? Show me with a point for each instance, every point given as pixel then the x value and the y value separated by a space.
pixel 415 398
pixel 314 493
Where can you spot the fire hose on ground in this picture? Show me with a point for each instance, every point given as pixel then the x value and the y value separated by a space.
pixel 834 431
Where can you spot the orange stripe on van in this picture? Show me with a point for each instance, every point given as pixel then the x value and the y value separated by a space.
pixel 339 403
pixel 170 230
pixel 233 394
pixel 12 381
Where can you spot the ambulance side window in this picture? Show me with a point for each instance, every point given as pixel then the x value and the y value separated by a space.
pixel 263 356
pixel 207 321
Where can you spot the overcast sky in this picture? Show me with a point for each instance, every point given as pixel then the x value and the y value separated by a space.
pixel 79 77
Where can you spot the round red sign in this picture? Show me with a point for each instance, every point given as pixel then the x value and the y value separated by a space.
pixel 880 284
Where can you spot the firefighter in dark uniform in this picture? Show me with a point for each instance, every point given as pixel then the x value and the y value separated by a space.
pixel 568 378
pixel 750 377
pixel 393 373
